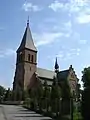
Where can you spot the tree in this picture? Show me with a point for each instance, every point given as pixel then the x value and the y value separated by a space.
pixel 2 92
pixel 7 96
pixel 46 96
pixel 55 90
pixel 46 91
pixel 86 94
pixel 55 96
pixel 86 77
pixel 39 95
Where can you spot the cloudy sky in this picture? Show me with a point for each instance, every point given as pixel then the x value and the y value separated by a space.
pixel 59 28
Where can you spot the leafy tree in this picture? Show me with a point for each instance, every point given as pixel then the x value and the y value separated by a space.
pixel 46 95
pixel 55 96
pixel 46 91
pixel 55 90
pixel 2 92
pixel 7 96
pixel 39 95
pixel 86 94
pixel 86 77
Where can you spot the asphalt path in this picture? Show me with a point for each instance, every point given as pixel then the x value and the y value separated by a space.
pixel 12 112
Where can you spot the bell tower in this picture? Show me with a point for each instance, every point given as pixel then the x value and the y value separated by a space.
pixel 26 62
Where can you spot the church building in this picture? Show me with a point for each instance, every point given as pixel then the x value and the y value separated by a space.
pixel 27 72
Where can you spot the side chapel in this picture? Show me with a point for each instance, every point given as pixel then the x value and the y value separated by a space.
pixel 27 72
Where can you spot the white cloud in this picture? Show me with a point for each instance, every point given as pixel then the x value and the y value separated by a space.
pixel 75 52
pixel 77 37
pixel 68 27
pixel 46 38
pixel 78 5
pixel 72 53
pixel 78 9
pixel 68 54
pixel 7 52
pixel 27 6
pixel 52 25
pixel 82 19
pixel 56 5
pixel 71 6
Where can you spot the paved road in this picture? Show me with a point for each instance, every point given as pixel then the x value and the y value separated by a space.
pixel 11 112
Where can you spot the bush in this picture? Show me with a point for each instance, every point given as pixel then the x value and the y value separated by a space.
pixel 27 102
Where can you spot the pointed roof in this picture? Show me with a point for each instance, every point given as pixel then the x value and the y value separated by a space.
pixel 27 41
pixel 56 66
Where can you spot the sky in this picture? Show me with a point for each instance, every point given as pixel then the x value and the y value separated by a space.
pixel 60 28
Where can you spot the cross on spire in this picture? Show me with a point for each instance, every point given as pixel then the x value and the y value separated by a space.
pixel 28 21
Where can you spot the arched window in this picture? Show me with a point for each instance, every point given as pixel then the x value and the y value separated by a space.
pixel 21 57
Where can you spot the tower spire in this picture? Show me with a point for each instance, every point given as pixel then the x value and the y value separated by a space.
pixel 27 40
pixel 56 66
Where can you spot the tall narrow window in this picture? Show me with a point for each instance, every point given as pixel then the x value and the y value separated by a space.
pixel 28 57
pixel 32 58
pixel 21 57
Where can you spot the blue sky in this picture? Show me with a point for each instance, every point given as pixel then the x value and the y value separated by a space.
pixel 59 28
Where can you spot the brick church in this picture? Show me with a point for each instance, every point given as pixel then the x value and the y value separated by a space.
pixel 27 72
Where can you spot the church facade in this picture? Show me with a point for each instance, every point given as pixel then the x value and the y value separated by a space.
pixel 27 72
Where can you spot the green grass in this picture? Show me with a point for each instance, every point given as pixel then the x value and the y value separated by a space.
pixel 77 116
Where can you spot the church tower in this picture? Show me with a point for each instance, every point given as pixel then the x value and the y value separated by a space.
pixel 26 62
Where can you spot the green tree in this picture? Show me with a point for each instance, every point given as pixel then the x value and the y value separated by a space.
pixel 39 95
pixel 2 93
pixel 46 96
pixel 86 94
pixel 86 77
pixel 7 96
pixel 55 90
pixel 55 96
pixel 2 90
pixel 46 91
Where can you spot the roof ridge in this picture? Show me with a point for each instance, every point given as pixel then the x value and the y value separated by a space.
pixel 45 69
pixel 64 70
